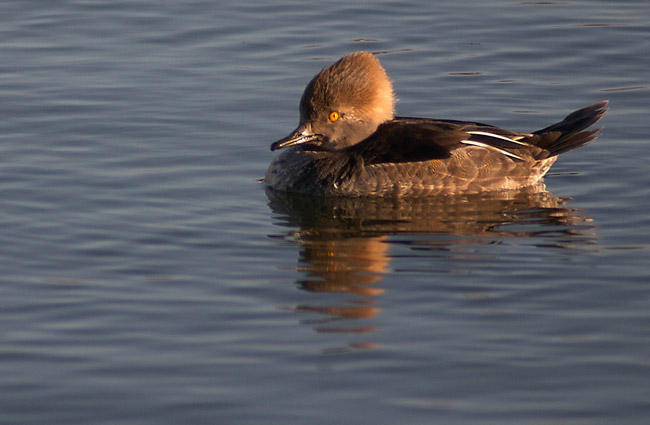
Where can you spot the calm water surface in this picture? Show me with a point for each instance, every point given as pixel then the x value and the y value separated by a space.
pixel 147 276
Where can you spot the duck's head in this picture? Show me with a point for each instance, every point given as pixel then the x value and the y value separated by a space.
pixel 343 104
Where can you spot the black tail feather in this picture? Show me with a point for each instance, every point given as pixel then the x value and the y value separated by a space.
pixel 567 134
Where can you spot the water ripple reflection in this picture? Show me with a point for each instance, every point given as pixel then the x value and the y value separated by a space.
pixel 344 243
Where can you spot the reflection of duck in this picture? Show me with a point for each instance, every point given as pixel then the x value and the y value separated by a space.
pixel 344 242
pixel 341 218
pixel 350 143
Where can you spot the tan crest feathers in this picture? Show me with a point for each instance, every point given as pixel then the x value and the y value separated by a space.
pixel 356 82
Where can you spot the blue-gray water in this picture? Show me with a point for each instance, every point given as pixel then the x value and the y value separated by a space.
pixel 146 277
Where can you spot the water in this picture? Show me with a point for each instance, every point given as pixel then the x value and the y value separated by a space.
pixel 148 277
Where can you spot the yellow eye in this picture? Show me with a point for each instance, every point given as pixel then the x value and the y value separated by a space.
pixel 334 116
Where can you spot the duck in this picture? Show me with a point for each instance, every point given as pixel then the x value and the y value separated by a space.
pixel 350 143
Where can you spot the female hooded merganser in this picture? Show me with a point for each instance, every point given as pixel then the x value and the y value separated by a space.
pixel 349 143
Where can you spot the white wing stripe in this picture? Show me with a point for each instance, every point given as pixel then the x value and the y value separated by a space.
pixel 483 145
pixel 497 136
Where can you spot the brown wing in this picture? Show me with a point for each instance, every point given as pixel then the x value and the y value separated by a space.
pixel 417 139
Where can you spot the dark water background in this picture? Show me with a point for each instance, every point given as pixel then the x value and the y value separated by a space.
pixel 146 277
